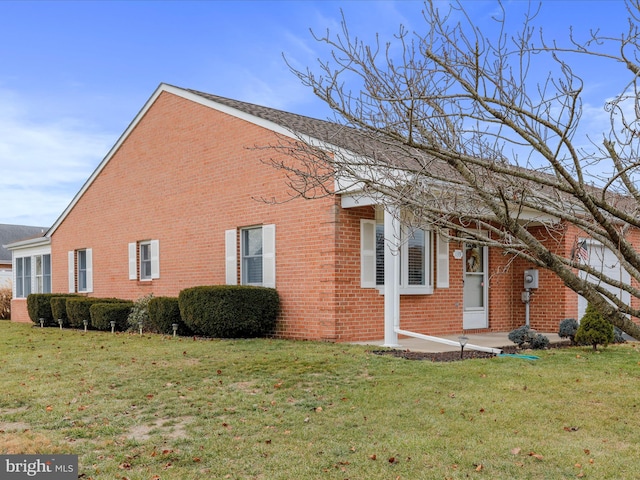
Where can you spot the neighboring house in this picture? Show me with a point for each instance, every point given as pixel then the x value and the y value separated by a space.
pixel 25 270
pixel 176 203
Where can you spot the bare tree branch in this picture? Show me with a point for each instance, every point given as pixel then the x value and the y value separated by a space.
pixel 454 126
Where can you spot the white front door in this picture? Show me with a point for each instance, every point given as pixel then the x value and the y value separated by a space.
pixel 475 287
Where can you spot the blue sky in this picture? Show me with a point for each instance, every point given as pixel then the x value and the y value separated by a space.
pixel 74 74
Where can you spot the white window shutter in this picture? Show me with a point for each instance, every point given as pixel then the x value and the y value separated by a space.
pixel 89 270
pixel 442 256
pixel 72 271
pixel 269 256
pixel 133 261
pixel 231 263
pixel 368 253
pixel 155 258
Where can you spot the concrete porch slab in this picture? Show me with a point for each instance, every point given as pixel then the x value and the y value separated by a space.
pixel 490 339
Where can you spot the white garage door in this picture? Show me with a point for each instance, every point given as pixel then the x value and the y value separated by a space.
pixel 603 259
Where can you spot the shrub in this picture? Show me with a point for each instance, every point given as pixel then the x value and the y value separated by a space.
pixel 520 335
pixel 102 314
pixel 5 303
pixel 39 306
pixel 568 328
pixel 618 335
pixel 163 312
pixel 59 308
pixel 78 309
pixel 594 329
pixel 525 337
pixel 140 313
pixel 229 311
pixel 539 342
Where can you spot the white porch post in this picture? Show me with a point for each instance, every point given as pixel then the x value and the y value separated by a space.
pixel 391 276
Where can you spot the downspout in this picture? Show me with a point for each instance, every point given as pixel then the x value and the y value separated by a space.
pixel 453 343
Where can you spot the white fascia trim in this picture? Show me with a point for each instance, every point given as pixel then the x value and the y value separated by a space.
pixel 353 200
pixel 30 243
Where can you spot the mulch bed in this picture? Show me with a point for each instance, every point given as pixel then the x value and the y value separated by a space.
pixel 454 356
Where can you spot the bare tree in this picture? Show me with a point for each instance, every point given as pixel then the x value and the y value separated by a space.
pixel 451 125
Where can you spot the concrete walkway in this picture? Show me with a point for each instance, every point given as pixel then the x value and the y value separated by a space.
pixel 490 339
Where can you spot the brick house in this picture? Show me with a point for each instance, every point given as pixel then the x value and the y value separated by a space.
pixel 176 203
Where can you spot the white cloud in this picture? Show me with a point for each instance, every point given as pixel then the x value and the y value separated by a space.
pixel 43 163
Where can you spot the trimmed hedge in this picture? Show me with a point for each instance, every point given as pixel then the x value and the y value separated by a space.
pixel 59 308
pixel 163 313
pixel 229 311
pixel 78 309
pixel 39 306
pixel 102 314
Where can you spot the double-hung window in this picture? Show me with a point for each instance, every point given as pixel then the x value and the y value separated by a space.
pixel 251 268
pixel 144 260
pixel 257 256
pixel 81 270
pixel 415 255
pixel 43 273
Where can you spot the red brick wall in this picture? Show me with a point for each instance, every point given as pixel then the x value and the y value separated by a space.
pixel 185 175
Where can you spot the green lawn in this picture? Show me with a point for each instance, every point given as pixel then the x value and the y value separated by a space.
pixel 155 407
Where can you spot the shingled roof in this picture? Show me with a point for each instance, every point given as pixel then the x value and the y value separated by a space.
pixel 330 132
pixel 15 233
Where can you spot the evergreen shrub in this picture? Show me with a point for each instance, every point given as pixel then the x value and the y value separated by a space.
pixel 229 311
pixel 39 306
pixel 618 335
pixel 163 313
pixel 568 328
pixel 102 314
pixel 59 308
pixel 78 309
pixel 594 329
pixel 526 337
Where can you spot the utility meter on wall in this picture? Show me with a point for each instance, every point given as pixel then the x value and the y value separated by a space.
pixel 531 279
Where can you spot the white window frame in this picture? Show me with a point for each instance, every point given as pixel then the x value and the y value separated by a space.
pixel 144 252
pixel 234 251
pixel 136 262
pixel 82 270
pixel 368 255
pixel 74 270
pixel 42 277
pixel 22 277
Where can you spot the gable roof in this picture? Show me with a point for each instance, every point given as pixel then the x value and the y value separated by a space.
pixel 14 233
pixel 314 131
